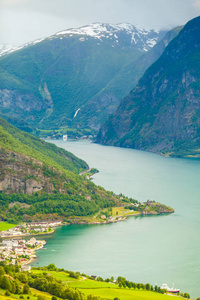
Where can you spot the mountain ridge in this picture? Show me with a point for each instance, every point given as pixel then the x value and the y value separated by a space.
pixel 161 113
pixel 108 31
pixel 47 83
pixel 95 30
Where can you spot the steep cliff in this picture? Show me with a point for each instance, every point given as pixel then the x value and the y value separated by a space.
pixel 23 174
pixel 162 113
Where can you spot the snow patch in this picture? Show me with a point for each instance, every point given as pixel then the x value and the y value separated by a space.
pixel 99 30
pixel 6 49
pixel 133 40
pixel 152 42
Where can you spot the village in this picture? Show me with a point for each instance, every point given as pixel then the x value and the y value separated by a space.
pixel 20 252
pixel 16 250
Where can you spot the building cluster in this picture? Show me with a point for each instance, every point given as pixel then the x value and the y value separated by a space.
pixel 19 251
pixel 30 228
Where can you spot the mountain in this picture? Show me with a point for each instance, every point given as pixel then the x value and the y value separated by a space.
pixel 40 181
pixel 63 81
pixel 5 49
pixel 121 84
pixel 162 113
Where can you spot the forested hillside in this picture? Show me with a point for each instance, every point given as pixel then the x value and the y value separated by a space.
pixel 44 179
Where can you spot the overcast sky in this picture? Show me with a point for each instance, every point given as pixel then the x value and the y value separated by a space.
pixel 23 21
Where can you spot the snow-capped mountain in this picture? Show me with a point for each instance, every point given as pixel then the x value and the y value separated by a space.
pixel 76 77
pixel 121 35
pixel 6 49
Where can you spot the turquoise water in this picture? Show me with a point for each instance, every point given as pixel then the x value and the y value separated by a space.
pixel 154 249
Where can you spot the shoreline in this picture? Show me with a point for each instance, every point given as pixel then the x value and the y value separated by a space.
pixel 83 222
pixel 30 261
pixel 27 235
pixel 35 256
pixel 118 220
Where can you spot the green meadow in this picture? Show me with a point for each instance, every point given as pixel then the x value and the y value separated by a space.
pixel 104 290
pixel 125 294
pixel 6 226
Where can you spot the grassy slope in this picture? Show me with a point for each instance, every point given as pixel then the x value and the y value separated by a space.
pixel 35 294
pixel 104 293
pixel 125 294
pixel 105 290
pixel 13 139
pixel 6 226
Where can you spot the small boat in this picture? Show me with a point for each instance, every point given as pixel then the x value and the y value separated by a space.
pixel 170 290
pixel 65 137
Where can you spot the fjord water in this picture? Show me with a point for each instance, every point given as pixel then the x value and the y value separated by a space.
pixel 155 249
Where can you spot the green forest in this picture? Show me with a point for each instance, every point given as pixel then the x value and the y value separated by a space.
pixel 63 205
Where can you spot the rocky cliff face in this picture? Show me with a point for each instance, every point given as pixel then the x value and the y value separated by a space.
pixel 22 103
pixel 23 174
pixel 162 113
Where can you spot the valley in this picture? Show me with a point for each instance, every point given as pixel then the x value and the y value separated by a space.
pixel 74 79
pixel 99 150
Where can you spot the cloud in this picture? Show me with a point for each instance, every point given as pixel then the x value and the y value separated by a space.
pixel 25 20
pixel 196 4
